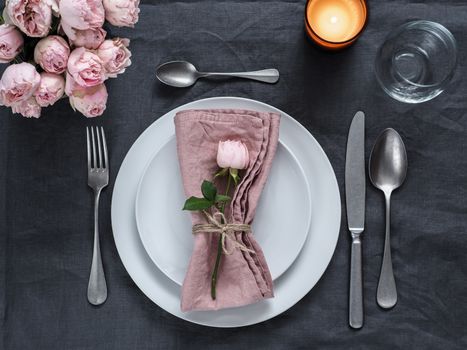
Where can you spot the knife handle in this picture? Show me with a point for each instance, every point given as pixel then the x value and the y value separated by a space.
pixel 356 284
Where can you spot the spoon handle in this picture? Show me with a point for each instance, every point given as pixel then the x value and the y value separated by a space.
pixel 386 294
pixel 266 75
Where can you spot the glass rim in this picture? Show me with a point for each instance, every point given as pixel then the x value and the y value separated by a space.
pixel 308 25
pixel 451 39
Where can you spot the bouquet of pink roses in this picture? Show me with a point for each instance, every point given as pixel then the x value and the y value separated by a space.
pixel 59 47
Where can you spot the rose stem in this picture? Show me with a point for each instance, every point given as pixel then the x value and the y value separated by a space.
pixel 219 248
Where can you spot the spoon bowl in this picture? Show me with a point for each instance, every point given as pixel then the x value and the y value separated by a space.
pixel 177 73
pixel 388 161
pixel 388 169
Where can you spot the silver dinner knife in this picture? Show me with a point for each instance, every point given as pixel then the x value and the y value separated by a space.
pixel 355 202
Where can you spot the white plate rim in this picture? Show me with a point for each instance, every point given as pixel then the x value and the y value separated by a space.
pixel 334 201
pixel 137 209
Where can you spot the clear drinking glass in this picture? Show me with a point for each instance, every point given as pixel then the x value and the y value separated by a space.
pixel 417 61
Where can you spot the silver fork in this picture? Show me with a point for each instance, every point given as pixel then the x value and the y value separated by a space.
pixel 98 178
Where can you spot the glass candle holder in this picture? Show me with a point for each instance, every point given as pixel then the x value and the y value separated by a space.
pixel 335 24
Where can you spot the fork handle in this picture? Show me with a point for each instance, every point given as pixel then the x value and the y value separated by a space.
pixel 97 287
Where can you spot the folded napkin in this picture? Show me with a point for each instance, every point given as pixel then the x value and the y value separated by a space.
pixel 243 277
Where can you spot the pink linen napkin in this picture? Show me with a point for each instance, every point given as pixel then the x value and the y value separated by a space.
pixel 243 277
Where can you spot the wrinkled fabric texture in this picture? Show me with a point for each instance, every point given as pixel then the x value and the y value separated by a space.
pixel 243 277
pixel 46 217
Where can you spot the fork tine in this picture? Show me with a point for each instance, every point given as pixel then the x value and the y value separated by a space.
pixel 99 147
pixel 94 164
pixel 104 143
pixel 88 147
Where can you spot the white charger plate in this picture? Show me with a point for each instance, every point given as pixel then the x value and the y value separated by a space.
pixel 300 278
pixel 165 229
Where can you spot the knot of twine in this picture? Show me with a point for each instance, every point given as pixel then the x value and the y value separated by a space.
pixel 226 231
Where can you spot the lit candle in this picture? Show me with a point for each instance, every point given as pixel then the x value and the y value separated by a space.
pixel 335 24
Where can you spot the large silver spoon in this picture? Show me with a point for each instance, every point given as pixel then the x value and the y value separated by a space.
pixel 184 74
pixel 388 168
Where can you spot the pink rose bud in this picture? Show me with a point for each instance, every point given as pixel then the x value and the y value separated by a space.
pixel 28 108
pixel 50 89
pixel 52 53
pixel 18 83
pixel 11 42
pixel 82 14
pixel 86 68
pixel 232 154
pixel 121 13
pixel 115 56
pixel 32 17
pixel 91 102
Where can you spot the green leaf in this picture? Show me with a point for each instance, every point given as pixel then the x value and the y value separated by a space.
pixel 209 190
pixel 222 172
pixel 222 198
pixel 195 203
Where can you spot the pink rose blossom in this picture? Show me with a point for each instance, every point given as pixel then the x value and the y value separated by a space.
pixel 91 102
pixel 82 14
pixel 232 154
pixel 71 86
pixel 89 38
pixel 33 17
pixel 18 83
pixel 11 42
pixel 86 68
pixel 52 53
pixel 50 90
pixel 121 13
pixel 28 108
pixel 115 56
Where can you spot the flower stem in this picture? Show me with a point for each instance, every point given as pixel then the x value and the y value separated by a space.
pixel 219 247
pixel 227 189
pixel 216 269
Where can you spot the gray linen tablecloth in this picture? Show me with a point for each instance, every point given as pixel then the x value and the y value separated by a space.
pixel 45 204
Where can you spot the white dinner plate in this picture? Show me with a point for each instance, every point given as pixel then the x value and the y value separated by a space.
pixel 293 285
pixel 165 229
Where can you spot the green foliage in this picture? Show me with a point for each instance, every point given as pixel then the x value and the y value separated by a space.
pixel 208 190
pixel 209 199
pixel 195 203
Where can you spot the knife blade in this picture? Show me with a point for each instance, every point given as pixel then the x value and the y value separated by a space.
pixel 355 182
